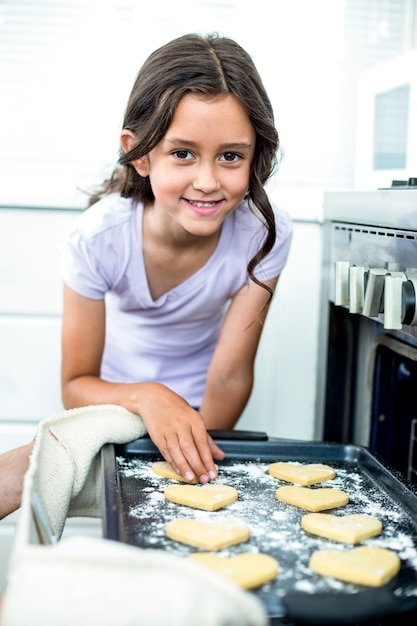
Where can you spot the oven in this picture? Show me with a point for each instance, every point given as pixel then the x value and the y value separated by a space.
pixel 368 363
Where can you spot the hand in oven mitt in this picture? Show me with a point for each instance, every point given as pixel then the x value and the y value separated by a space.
pixel 64 471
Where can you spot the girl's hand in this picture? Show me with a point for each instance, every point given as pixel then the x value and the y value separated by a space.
pixel 179 432
pixel 175 428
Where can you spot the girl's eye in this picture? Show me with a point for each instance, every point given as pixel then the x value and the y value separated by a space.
pixel 231 157
pixel 183 155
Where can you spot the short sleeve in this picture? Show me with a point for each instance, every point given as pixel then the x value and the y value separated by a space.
pixel 80 267
pixel 98 247
pixel 273 264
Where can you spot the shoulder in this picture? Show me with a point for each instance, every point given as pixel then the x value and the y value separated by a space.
pixel 111 212
pixel 283 223
pixel 98 248
pixel 251 222
pixel 252 231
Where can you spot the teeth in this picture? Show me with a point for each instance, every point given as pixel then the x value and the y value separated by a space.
pixel 203 205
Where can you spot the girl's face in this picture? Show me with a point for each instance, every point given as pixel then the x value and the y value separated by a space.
pixel 199 171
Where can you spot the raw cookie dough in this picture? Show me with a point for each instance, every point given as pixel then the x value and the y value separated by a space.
pixel 302 474
pixel 206 497
pixel 346 529
pixel 362 566
pixel 248 570
pixel 318 499
pixel 162 468
pixel 210 535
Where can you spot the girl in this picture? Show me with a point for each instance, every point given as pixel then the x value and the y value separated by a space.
pixel 169 274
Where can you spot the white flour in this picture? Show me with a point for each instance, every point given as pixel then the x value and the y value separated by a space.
pixel 275 526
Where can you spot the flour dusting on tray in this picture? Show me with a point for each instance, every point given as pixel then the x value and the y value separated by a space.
pixel 275 526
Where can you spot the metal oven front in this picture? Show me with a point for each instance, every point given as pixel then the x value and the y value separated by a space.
pixel 368 363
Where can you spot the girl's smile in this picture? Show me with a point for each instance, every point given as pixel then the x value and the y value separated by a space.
pixel 205 209
pixel 199 171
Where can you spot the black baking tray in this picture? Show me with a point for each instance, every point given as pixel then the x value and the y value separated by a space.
pixel 136 512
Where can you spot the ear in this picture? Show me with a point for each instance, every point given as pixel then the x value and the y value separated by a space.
pixel 128 142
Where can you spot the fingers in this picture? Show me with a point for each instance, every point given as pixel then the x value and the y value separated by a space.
pixel 191 459
pixel 191 452
pixel 216 452
pixel 180 434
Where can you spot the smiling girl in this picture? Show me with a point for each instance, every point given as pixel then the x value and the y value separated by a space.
pixel 169 274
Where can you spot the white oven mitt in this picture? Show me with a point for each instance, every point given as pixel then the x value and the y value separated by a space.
pixel 65 470
pixel 97 582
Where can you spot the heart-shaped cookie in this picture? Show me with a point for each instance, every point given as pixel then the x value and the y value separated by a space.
pixel 318 499
pixel 346 529
pixel 162 468
pixel 248 570
pixel 362 566
pixel 206 497
pixel 309 474
pixel 211 535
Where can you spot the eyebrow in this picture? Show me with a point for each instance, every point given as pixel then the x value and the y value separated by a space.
pixel 193 144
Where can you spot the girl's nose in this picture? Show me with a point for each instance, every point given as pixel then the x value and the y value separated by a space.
pixel 206 179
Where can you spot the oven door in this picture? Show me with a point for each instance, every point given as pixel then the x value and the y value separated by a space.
pixel 371 384
pixel 393 378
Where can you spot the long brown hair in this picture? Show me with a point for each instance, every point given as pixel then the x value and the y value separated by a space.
pixel 205 65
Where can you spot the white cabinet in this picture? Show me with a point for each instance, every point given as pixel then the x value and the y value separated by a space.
pixel 30 281
pixel 29 367
pixel 30 314
pixel 7 532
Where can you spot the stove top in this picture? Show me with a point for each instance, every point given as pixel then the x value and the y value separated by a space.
pixel 395 207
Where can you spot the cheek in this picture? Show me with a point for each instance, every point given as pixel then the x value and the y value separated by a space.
pixel 238 185
pixel 167 182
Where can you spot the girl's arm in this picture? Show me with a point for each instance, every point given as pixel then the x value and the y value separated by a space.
pixel 177 430
pixel 230 375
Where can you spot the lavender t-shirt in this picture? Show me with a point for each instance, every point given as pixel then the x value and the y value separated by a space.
pixel 171 339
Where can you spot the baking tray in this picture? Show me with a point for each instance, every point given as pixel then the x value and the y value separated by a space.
pixel 136 512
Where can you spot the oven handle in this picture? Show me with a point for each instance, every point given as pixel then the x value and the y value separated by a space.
pixel 238 435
